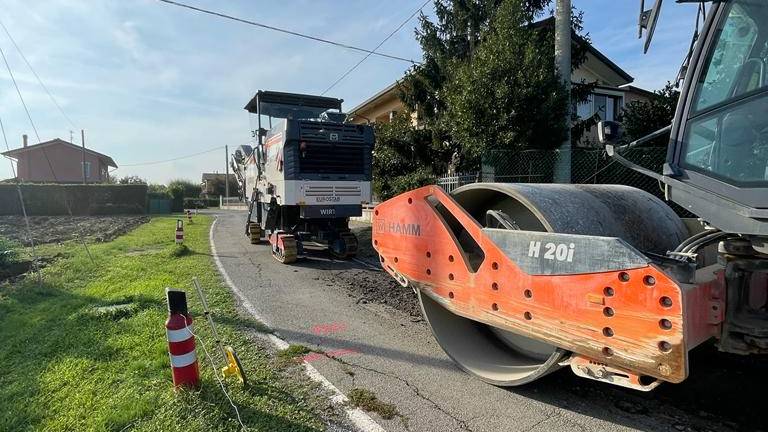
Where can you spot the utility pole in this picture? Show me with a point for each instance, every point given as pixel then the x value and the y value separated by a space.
pixel 82 140
pixel 563 67
pixel 226 176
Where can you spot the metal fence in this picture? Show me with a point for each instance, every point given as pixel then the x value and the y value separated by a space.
pixel 588 166
pixel 453 181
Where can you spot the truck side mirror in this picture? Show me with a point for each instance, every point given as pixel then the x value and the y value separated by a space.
pixel 609 132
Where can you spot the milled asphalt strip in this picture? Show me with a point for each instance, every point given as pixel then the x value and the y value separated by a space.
pixel 368 265
pixel 358 417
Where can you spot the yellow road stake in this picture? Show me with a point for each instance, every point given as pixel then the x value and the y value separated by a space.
pixel 233 368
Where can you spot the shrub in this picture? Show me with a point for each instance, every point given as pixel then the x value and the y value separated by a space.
pixel 194 203
pixel 200 203
pixel 77 199
pixel 180 189
pixel 179 250
pixel 404 157
pixel 8 252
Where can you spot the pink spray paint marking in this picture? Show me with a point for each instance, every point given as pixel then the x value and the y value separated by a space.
pixel 329 328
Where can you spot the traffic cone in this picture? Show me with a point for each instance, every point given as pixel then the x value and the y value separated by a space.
pixel 181 341
pixel 179 231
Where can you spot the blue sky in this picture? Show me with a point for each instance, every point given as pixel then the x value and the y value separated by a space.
pixel 150 81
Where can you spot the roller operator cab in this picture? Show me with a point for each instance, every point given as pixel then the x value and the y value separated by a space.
pixel 308 174
pixel 518 280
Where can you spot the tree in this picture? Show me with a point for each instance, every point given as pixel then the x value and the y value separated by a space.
pixel 454 37
pixel 184 188
pixel 131 179
pixel 218 186
pixel 158 191
pixel 404 158
pixel 641 118
pixel 180 189
pixel 488 81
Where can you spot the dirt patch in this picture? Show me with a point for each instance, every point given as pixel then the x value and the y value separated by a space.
pixel 57 229
pixel 19 269
pixel 14 269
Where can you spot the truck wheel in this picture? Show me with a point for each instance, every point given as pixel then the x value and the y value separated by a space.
pixel 285 249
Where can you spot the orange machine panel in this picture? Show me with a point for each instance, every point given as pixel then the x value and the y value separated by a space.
pixel 632 319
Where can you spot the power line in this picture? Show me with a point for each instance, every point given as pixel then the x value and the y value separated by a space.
pixel 50 95
pixel 45 154
pixel 29 116
pixel 350 70
pixel 30 239
pixel 173 159
pixel 15 84
pixel 282 30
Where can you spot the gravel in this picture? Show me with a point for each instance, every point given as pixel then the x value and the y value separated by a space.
pixel 371 284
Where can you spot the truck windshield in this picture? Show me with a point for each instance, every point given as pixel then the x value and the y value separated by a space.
pixel 291 112
pixel 727 129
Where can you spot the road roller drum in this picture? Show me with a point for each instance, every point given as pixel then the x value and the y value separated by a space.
pixel 515 280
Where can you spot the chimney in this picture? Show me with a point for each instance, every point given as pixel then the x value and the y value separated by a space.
pixel 25 139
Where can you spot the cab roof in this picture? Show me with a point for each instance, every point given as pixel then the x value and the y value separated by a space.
pixel 265 96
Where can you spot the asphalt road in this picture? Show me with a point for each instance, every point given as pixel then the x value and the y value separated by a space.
pixel 389 352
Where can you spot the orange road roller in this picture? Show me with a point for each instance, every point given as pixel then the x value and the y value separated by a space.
pixel 519 280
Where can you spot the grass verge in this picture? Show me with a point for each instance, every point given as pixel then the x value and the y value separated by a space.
pixel 86 350
pixel 292 354
pixel 367 400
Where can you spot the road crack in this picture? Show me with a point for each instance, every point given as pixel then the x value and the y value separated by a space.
pixel 545 419
pixel 462 423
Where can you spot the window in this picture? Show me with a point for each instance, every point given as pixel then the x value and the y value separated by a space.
pixel 584 109
pixel 727 61
pixel 87 169
pixel 607 107
pixel 727 130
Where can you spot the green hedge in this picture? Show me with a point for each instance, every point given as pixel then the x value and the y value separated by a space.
pixel 82 200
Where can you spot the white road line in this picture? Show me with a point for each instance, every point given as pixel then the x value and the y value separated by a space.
pixel 358 417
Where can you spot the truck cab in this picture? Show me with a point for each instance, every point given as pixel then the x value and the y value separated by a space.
pixel 310 171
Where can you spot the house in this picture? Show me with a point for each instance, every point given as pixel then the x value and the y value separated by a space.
pixel 612 92
pixel 59 161
pixel 212 185
pixel 379 108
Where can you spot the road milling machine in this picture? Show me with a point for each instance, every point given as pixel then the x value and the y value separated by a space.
pixel 519 280
pixel 307 175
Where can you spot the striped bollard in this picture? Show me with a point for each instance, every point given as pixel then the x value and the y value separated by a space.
pixel 189 216
pixel 179 231
pixel 181 341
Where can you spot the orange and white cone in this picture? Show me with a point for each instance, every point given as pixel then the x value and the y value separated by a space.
pixel 181 341
pixel 179 231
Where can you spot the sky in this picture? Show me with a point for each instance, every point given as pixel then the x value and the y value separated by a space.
pixel 151 82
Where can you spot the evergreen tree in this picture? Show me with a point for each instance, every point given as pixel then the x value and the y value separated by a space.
pixel 641 118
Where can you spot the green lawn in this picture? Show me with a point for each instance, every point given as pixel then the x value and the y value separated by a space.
pixel 65 367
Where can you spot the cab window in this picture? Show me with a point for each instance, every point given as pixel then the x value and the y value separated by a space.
pixel 727 129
